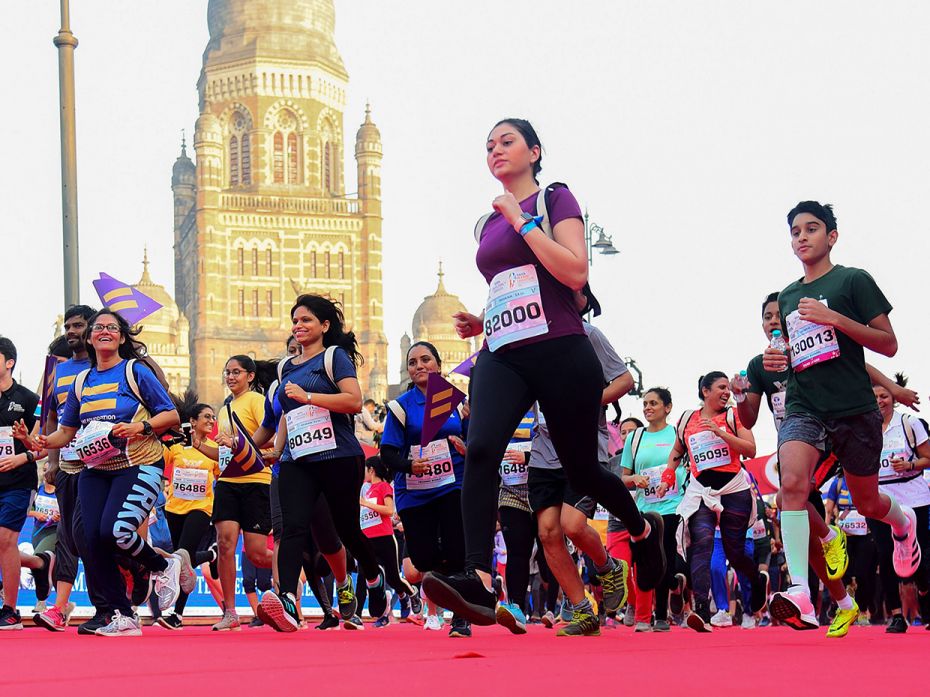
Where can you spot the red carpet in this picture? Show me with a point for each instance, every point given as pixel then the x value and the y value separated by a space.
pixel 404 659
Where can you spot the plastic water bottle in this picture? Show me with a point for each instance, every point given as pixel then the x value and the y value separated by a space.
pixel 778 342
pixel 741 383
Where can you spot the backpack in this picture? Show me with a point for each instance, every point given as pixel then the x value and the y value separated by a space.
pixel 81 378
pixel 542 208
pixel 909 432
pixel 327 366
pixel 635 440
pixel 686 419
pixel 398 411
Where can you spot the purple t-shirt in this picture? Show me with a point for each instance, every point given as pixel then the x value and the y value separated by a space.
pixel 502 248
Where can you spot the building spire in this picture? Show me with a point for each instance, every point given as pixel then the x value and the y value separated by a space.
pixel 367 111
pixel 183 143
pixel 440 288
pixel 146 278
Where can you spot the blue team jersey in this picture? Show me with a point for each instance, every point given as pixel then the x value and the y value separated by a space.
pixel 64 378
pixel 413 403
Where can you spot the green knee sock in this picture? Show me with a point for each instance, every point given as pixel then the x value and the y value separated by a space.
pixel 795 534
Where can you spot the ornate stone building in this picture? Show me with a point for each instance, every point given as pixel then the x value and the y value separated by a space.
pixel 263 215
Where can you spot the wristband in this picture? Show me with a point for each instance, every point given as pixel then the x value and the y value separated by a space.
pixel 308 398
pixel 668 477
pixel 530 224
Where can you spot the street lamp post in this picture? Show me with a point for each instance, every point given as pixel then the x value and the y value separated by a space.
pixel 66 43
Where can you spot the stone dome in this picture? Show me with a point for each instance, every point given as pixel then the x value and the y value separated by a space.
pixel 436 310
pixel 368 132
pixel 183 171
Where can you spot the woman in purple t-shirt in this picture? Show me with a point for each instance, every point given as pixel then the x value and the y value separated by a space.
pixel 536 349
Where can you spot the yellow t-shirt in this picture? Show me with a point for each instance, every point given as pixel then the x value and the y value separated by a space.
pixel 192 476
pixel 250 408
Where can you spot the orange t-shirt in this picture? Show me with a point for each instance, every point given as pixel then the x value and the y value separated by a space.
pixel 708 451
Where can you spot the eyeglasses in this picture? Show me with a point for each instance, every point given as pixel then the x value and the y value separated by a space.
pixel 233 373
pixel 105 327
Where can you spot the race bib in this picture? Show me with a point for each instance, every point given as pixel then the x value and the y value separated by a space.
pixel 93 446
pixel 310 430
pixel 516 474
pixel 514 310
pixel 654 475
pixel 854 524
pixel 758 529
pixel 708 451
pixel 46 505
pixel 601 513
pixel 189 483
pixel 811 343
pixel 225 457
pixel 367 517
pixel 440 472
pixel 6 441
pixel 69 452
pixel 893 448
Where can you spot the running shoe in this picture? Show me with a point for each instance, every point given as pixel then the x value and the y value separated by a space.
pixel 121 625
pixel 721 619
pixel 699 620
pixel 404 604
pixel 843 620
pixel 898 625
pixel 766 621
pixel 44 575
pixel 348 605
pixel 906 557
pixel 464 594
pixel 353 623
pixel 649 554
pixel 661 626
pixel 171 621
pixel 582 624
pixel 53 619
pixel 760 593
pixel 377 597
pixel 836 555
pixel 167 583
pixel 281 611
pixel 188 576
pixel 642 627
pixel 100 619
pixel 676 601
pixel 460 629
pixel 511 616
pixel 229 623
pixel 794 608
pixel 416 602
pixel 432 624
pixel 548 620
pixel 10 619
pixel 629 616
pixel 262 615
pixel 41 606
pixel 614 583
pixel 330 621
pixel 749 622
pixel 382 621
pixel 256 622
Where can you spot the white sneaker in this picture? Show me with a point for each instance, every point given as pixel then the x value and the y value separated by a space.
pixel 188 576
pixel 167 583
pixel 749 622
pixel 433 623
pixel 121 625
pixel 906 556
pixel 721 619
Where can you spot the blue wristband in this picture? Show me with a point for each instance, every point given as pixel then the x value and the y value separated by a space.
pixel 530 224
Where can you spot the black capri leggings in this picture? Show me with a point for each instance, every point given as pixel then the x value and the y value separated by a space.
pixel 565 376
pixel 387 553
pixel 433 531
pixel 863 567
pixel 302 483
pixel 519 528
pixel 190 532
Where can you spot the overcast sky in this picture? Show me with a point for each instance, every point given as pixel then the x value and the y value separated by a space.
pixel 688 129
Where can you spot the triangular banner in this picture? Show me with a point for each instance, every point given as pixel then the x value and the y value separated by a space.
pixel 133 305
pixel 442 397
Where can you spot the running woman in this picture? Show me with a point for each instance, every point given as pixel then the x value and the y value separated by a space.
pixel 829 317
pixel 536 350
pixel 322 457
pixel 427 482
pixel 718 493
pixel 121 409
pixel 905 455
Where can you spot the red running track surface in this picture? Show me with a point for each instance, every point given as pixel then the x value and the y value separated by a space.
pixel 405 659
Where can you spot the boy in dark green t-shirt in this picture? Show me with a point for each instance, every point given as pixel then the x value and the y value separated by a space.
pixel 829 317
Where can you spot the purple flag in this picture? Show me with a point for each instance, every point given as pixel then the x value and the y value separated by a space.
pixel 464 368
pixel 48 392
pixel 246 456
pixel 133 305
pixel 442 397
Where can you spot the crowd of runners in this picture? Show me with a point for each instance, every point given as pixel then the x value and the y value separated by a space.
pixel 526 506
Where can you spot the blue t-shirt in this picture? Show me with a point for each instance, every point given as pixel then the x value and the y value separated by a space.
pixel 311 376
pixel 839 494
pixel 46 503
pixel 413 403
pixel 64 378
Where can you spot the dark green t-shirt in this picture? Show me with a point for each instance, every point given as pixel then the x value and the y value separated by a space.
pixel 772 385
pixel 835 383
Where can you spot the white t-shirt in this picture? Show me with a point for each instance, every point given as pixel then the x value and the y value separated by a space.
pixel 913 492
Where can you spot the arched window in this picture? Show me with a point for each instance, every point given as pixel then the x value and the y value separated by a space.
pixel 234 161
pixel 292 177
pixel 268 262
pixel 254 303
pixel 329 271
pixel 241 303
pixel 328 167
pixel 255 262
pixel 246 160
pixel 269 303
pixel 313 264
pixel 278 159
pixel 342 264
pixel 241 260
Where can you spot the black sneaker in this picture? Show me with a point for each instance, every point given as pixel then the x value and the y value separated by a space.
pixel 898 625
pixel 699 620
pixel 171 621
pixel 10 619
pixel 44 575
pixel 348 605
pixel 330 621
pixel 416 603
pixel 760 593
pixel 676 601
pixel 354 623
pixel 256 622
pixel 649 554
pixel 461 628
pixel 281 611
pixel 464 594
pixel 100 619
pixel 377 598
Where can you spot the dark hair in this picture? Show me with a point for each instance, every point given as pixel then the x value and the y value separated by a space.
pixel 663 394
pixel 707 381
pixel 525 129
pixel 591 303
pixel 327 310
pixel 130 348
pixel 287 344
pixel 823 213
pixel 8 349
pixel 197 410
pixel 82 311
pixel 429 347
pixel 375 463
pixel 248 364
pixel 633 420
pixel 266 372
pixel 369 401
pixel 770 298
pixel 59 347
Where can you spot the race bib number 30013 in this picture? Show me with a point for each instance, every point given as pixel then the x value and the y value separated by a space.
pixel 811 343
pixel 514 311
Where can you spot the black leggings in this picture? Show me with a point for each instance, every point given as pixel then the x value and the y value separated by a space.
pixel 387 553
pixel 863 566
pixel 189 531
pixel 885 545
pixel 302 482
pixel 565 376
pixel 519 528
pixel 433 530
pixel 670 543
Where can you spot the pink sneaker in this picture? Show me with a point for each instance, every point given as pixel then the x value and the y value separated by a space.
pixel 794 608
pixel 52 619
pixel 906 557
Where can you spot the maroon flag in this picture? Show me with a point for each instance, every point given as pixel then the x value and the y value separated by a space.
pixel 464 368
pixel 442 397
pixel 48 392
pixel 133 305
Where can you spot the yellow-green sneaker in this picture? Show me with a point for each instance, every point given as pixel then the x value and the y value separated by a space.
pixel 844 619
pixel 582 624
pixel 615 584
pixel 836 555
